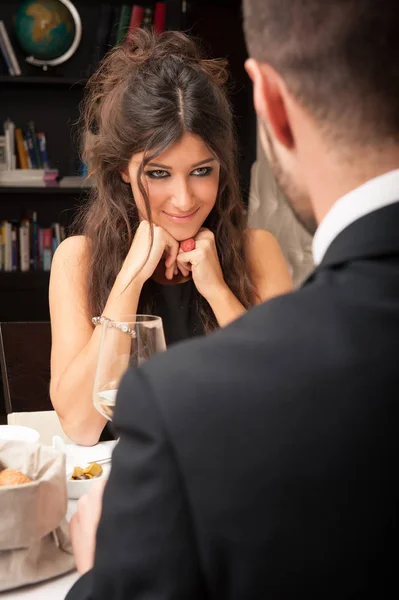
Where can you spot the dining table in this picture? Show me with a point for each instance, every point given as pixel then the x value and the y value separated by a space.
pixel 58 587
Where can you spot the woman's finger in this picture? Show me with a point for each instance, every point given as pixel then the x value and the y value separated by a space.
pixel 169 272
pixel 204 234
pixel 185 271
pixel 171 258
pixel 187 259
pixel 170 263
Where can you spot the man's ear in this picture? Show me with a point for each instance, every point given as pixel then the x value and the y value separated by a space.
pixel 269 100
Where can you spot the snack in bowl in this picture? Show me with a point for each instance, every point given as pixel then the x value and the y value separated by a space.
pixel 78 487
pixel 90 472
pixel 13 477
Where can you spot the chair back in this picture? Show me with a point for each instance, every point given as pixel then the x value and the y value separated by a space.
pixel 25 366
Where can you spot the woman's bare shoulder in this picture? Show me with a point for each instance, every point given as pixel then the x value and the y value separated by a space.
pixel 267 264
pixel 68 279
pixel 72 252
pixel 261 239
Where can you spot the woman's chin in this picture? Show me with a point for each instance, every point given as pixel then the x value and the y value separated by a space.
pixel 182 232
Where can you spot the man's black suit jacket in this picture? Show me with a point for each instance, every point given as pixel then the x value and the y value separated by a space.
pixel 262 462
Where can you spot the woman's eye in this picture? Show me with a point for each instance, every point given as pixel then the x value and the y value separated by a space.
pixel 202 171
pixel 157 174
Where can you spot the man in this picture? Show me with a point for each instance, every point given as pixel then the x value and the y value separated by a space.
pixel 262 462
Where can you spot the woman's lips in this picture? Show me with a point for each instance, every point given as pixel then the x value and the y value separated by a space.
pixel 181 218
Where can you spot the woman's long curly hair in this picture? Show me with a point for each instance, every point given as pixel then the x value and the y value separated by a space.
pixel 144 96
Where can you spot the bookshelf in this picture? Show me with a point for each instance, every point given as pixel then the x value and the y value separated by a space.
pixel 46 190
pixel 42 80
pixel 51 99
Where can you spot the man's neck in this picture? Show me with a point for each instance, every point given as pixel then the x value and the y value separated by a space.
pixel 332 180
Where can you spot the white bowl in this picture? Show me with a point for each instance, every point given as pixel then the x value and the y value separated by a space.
pixel 19 433
pixel 80 487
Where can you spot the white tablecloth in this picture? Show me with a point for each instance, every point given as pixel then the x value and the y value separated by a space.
pixel 57 589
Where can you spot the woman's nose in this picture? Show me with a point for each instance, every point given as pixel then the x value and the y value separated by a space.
pixel 182 198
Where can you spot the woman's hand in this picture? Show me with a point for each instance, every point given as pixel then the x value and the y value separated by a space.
pixel 204 264
pixel 140 268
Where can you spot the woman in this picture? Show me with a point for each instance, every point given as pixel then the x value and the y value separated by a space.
pixel 160 145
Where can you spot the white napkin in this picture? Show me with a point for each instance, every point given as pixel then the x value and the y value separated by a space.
pixel 34 539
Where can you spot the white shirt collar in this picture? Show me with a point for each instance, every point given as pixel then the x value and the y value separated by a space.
pixel 372 195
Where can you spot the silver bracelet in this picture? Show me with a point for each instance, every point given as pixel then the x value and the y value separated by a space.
pixel 124 328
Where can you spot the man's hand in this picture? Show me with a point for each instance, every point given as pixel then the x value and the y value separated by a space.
pixel 83 526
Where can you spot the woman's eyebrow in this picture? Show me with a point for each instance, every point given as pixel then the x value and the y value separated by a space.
pixel 198 164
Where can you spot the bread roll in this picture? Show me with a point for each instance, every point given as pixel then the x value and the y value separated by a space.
pixel 13 477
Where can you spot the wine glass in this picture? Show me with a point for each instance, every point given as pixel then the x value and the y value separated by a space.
pixel 124 343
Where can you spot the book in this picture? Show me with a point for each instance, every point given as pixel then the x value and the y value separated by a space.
pixel 7 247
pixel 3 153
pixel 9 132
pixel 47 252
pixel 34 246
pixel 159 17
pixel 136 18
pixel 31 149
pixel 2 246
pixel 124 20
pixel 113 30
pixel 27 153
pixel 23 159
pixel 10 49
pixel 21 176
pixel 103 28
pixel 14 249
pixel 57 234
pixel 6 56
pixel 51 176
pixel 184 18
pixel 42 144
pixel 24 246
pixel 31 129
pixel 148 16
pixel 75 181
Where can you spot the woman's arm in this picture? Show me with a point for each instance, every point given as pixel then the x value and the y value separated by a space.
pixel 266 264
pixel 75 343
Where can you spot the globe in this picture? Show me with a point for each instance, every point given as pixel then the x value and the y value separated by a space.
pixel 47 29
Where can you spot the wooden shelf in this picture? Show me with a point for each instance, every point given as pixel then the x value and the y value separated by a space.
pixel 18 280
pixel 42 80
pixel 48 190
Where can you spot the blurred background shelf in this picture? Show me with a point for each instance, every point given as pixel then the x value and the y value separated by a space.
pixel 41 80
pixel 47 190
pixel 52 101
pixel 23 280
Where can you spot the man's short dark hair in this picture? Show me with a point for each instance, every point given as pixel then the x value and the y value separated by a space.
pixel 339 58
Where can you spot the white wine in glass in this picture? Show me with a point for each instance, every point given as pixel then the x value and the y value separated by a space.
pixel 127 342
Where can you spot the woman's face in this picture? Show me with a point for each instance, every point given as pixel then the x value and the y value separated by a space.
pixel 182 185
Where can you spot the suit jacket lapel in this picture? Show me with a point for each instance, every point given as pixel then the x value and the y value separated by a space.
pixel 372 236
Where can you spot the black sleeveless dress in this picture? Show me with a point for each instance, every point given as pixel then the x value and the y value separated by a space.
pixel 177 306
